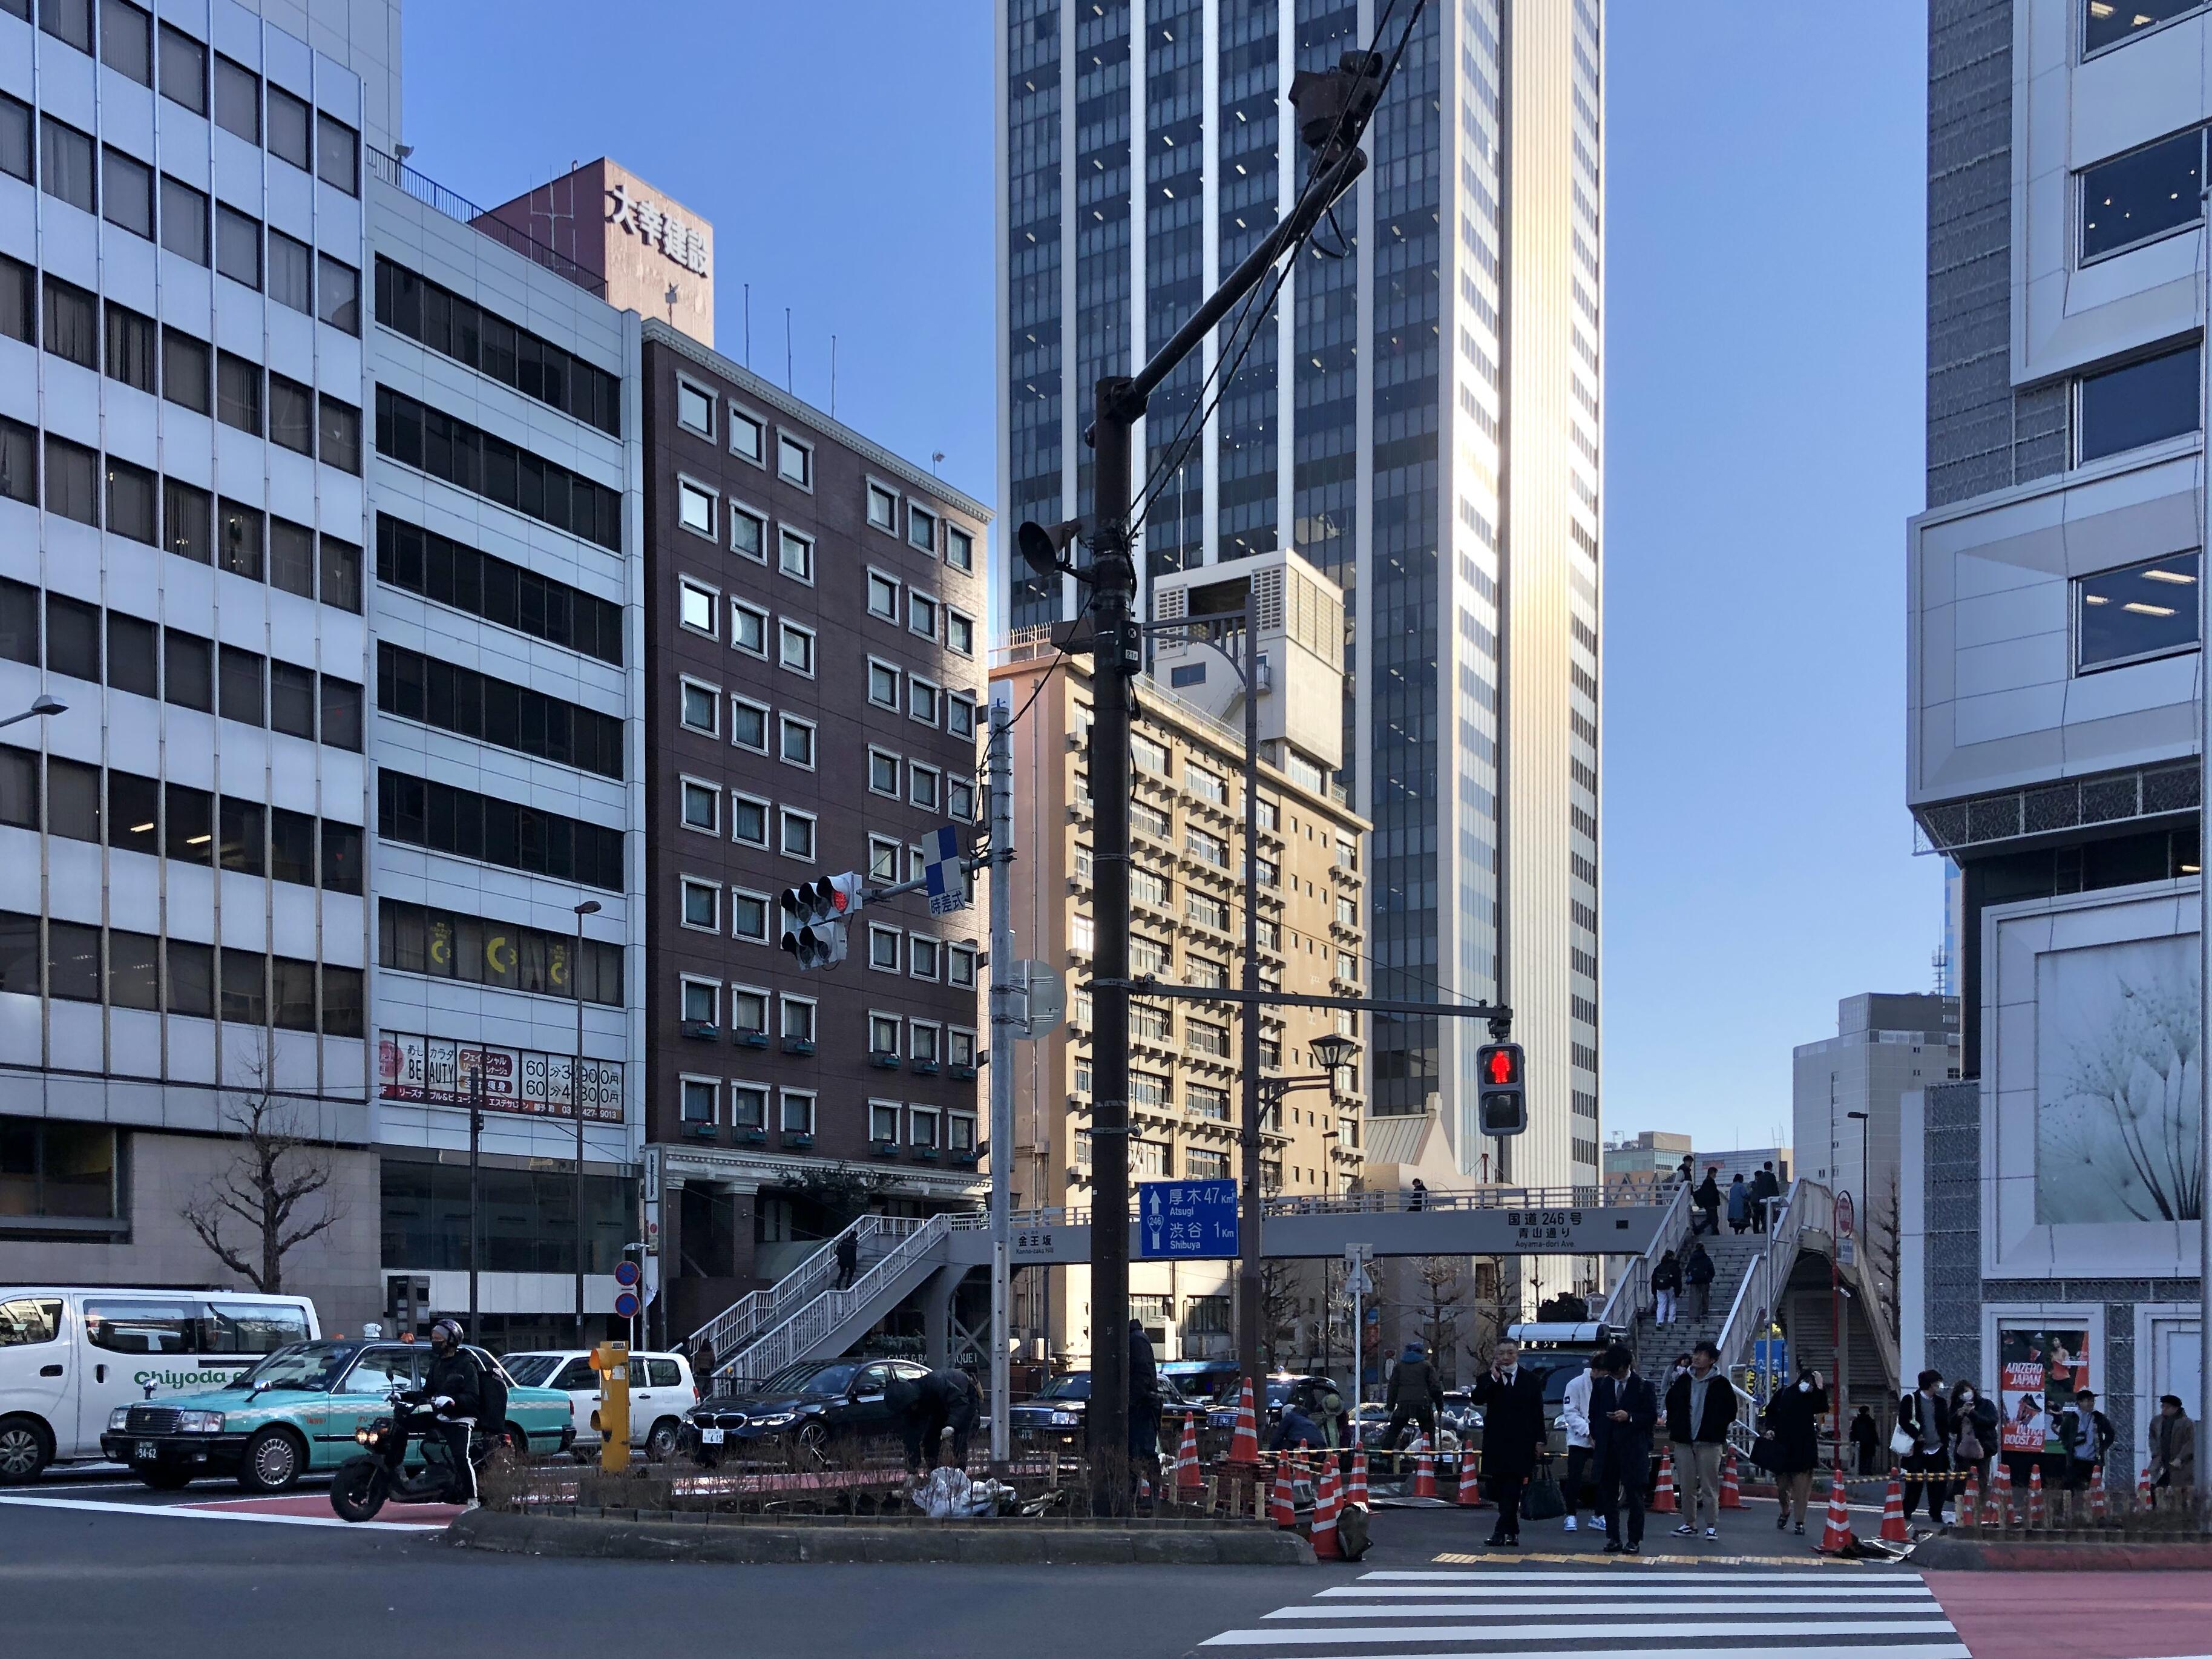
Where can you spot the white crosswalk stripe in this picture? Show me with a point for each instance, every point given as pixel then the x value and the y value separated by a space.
pixel 1810 1613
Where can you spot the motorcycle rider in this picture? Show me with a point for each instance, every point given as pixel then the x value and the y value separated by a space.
pixel 452 1390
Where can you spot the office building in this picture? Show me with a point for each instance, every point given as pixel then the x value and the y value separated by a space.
pixel 2054 668
pixel 1187 927
pixel 1637 1167
pixel 1884 1046
pixel 1418 419
pixel 813 638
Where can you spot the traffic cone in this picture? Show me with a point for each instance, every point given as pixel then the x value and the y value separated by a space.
pixel 1244 1441
pixel 1326 1506
pixel 1731 1488
pixel 1470 1488
pixel 1836 1535
pixel 2003 1516
pixel 1663 1502
pixel 1187 1477
pixel 2145 1498
pixel 1425 1469
pixel 1282 1504
pixel 1355 1491
pixel 2035 1495
pixel 1892 1511
pixel 1970 1500
pixel 2097 1493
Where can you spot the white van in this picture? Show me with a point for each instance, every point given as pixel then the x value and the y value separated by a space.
pixel 661 1391
pixel 69 1357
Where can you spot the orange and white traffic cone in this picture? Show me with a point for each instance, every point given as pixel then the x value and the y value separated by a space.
pixel 2002 1517
pixel 1327 1505
pixel 1244 1440
pixel 1188 1477
pixel 2146 1495
pixel 1663 1502
pixel 1282 1503
pixel 2097 1510
pixel 1425 1469
pixel 1892 1511
pixel 1355 1491
pixel 1470 1487
pixel 1836 1535
pixel 1970 1500
pixel 2035 1495
pixel 1731 1488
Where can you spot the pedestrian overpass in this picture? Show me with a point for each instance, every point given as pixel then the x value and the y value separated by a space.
pixel 806 1316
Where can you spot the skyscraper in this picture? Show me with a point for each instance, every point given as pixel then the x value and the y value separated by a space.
pixel 1418 416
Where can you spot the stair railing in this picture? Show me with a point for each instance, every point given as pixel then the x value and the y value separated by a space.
pixel 1807 1204
pixel 798 1336
pixel 737 1325
pixel 1631 1292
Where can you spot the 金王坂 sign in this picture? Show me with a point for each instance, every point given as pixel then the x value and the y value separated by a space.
pixel 655 227
pixel 443 1072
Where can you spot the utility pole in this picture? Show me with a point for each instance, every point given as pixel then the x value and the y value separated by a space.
pixel 476 1184
pixel 1251 1286
pixel 1001 1062
pixel 589 907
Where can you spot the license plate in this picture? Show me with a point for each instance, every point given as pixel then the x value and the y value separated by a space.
pixel 144 1451
pixel 710 1437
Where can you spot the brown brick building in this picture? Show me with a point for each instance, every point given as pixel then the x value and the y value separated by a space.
pixel 814 650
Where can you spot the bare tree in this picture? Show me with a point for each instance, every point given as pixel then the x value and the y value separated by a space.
pixel 1438 1309
pixel 275 1195
pixel 1282 1298
pixel 1885 1258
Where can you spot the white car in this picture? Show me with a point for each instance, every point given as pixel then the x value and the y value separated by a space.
pixel 661 1390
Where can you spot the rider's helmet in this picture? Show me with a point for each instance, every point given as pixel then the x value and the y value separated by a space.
pixel 445 1334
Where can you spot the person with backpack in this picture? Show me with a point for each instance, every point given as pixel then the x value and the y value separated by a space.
pixel 1973 1433
pixel 2085 1435
pixel 1708 1199
pixel 1665 1287
pixel 1924 1417
pixel 1698 1274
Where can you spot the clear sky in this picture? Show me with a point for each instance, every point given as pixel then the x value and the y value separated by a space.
pixel 1766 204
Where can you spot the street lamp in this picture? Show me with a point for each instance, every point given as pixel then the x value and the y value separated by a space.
pixel 44 703
pixel 588 908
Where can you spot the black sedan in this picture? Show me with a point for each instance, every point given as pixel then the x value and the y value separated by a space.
pixel 1058 1407
pixel 799 1412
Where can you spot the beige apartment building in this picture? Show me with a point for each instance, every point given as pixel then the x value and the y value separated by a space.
pixel 1187 927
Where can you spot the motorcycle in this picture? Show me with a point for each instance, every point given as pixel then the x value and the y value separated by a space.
pixel 377 1475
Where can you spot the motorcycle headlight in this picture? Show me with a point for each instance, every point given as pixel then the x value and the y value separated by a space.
pixel 120 1419
pixel 200 1422
pixel 363 1436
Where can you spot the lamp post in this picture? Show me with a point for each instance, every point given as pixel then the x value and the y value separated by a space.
pixel 41 705
pixel 588 908
pixel 1873 1308
pixel 1333 1052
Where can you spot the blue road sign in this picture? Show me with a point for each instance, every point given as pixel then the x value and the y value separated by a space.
pixel 1185 1218
pixel 626 1304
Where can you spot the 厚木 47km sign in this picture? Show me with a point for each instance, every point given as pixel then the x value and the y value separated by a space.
pixel 1187 1218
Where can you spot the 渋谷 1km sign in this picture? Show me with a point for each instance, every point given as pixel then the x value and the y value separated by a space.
pixel 1185 1218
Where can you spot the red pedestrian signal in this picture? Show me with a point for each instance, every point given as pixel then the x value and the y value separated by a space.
pixel 1502 1108
pixel 1501 1065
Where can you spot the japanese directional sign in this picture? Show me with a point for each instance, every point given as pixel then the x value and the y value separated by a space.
pixel 942 870
pixel 1187 1218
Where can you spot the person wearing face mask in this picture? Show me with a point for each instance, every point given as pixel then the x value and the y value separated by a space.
pixel 1973 1433
pixel 1925 1416
pixel 1791 1425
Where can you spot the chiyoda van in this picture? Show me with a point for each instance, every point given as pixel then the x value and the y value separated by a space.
pixel 70 1357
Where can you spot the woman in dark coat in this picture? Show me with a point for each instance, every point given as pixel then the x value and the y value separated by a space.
pixel 1972 1409
pixel 1791 1425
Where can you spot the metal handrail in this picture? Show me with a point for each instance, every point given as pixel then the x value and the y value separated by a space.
pixel 1807 1204
pixel 791 1340
pixel 1378 1203
pixel 453 205
pixel 730 1330
pixel 1631 1292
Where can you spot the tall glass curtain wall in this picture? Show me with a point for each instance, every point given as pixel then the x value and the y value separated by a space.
pixel 1033 281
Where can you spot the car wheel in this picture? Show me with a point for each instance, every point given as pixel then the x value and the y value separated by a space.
pixel 24 1450
pixel 161 1477
pixel 809 1447
pixel 273 1460
pixel 660 1444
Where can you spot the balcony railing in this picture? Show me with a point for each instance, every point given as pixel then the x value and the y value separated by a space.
pixel 433 194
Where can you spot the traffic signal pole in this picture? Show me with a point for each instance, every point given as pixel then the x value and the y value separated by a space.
pixel 1001 1060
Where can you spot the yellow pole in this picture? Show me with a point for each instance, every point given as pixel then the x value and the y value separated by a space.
pixel 611 1361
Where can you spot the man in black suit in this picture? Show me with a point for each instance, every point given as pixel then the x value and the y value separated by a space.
pixel 1512 1402
pixel 1624 1408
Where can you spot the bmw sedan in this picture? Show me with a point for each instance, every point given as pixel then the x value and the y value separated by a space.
pixel 799 1414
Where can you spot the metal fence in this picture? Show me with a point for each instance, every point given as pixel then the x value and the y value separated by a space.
pixel 397 173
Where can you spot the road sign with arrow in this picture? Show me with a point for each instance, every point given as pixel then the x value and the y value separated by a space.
pixel 1187 1218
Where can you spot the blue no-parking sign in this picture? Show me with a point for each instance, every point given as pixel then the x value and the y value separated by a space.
pixel 1185 1218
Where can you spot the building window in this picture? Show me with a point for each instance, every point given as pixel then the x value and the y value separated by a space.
pixel 921 527
pixel 883 773
pixel 699 1099
pixel 795 649
pixel 699 703
pixel 921 700
pixel 748 438
pixel 291 415
pixel 698 806
pixel 337 287
pixel 748 819
pixel 702 904
pixel 882 508
pixel 694 410
pixel 883 1123
pixel 925 1121
pixel 700 998
pixel 237 246
pixel 959 632
pixel 66 164
pixel 748 1009
pixel 883 685
pixel 2138 403
pixel 795 555
pixel 883 596
pixel 798 1019
pixel 748 534
pixel 883 949
pixel 126 193
pixel 748 1106
pixel 184 220
pixel 922 785
pixel 959 965
pixel 2146 193
pixel 798 838
pixel 695 607
pixel 72 317
pixel 959 547
pixel 960 1047
pixel 921 955
pixel 794 461
pixel 289 127
pixel 796 741
pixel 882 858
pixel 126 40
pixel 960 715
pixel 798 1112
pixel 695 507
pixel 291 272
pixel 15 145
pixel 2138 610
pixel 749 725
pixel 748 916
pixel 339 435
pixel 749 628
pixel 2106 24
pixel 921 615
pixel 337 154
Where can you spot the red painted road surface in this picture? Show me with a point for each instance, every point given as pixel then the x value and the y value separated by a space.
pixel 2078 1615
pixel 318 1506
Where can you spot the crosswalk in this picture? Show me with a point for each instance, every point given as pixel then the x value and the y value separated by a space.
pixel 1810 1612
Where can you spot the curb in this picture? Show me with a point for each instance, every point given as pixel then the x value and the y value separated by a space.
pixel 971 1542
pixel 1949 1554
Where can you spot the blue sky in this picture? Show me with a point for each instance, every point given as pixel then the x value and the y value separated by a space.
pixel 1765 204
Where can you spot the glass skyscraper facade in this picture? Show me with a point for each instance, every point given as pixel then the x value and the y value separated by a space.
pixel 1419 416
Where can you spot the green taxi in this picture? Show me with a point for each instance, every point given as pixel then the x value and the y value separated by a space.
pixel 297 1413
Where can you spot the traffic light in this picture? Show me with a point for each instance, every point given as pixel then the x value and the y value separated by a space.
pixel 814 914
pixel 1502 1094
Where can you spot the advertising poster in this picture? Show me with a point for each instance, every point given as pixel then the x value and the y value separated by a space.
pixel 439 1071
pixel 2039 1372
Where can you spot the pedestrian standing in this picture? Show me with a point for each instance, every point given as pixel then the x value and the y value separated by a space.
pixel 1866 1437
pixel 702 1364
pixel 1791 1427
pixel 2085 1434
pixel 1575 1420
pixel 1144 1402
pixel 848 1258
pixel 1766 1188
pixel 1624 1411
pixel 1700 1406
pixel 2173 1445
pixel 1419 1196
pixel 1512 1399
pixel 1666 1286
pixel 1708 1199
pixel 1925 1414
pixel 1698 1274
pixel 1415 1394
pixel 1739 1204
pixel 1973 1433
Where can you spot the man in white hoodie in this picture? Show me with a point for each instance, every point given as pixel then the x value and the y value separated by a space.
pixel 1574 1418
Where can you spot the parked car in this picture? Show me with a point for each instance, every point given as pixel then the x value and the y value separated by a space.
pixel 1306 1388
pixel 802 1411
pixel 71 1356
pixel 661 1390
pixel 1059 1407
pixel 299 1411
pixel 1210 1382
